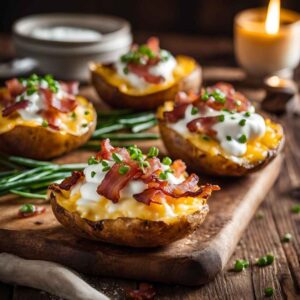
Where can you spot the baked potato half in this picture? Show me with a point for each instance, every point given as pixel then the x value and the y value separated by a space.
pixel 41 118
pixel 145 77
pixel 151 204
pixel 219 137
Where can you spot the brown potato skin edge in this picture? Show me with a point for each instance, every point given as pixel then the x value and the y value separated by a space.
pixel 113 97
pixel 132 232
pixel 41 143
pixel 202 162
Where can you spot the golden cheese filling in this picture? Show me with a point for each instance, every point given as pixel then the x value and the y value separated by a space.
pixel 168 211
pixel 76 122
pixel 185 65
pixel 257 150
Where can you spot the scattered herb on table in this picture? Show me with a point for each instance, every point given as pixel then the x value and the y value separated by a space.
pixel 269 291
pixel 265 260
pixel 287 238
pixel 240 265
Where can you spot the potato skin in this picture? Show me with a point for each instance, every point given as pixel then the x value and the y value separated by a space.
pixel 115 98
pixel 203 162
pixel 41 143
pixel 131 232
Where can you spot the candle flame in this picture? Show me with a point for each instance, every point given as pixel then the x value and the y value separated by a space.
pixel 273 17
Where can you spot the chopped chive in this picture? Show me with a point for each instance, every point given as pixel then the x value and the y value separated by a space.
pixel 45 123
pixel 92 161
pixel 153 151
pixel 93 173
pixel 242 122
pixel 27 208
pixel 106 168
pixel 86 112
pixel 117 157
pixel 84 125
pixel 247 114
pixel 228 138
pixel 124 169
pixel 287 238
pixel 205 97
pixel 265 260
pixel 194 110
pixel 221 118
pixel 73 115
pixel 126 70
pixel 242 139
pixel 167 161
pixel 163 176
pixel 240 265
pixel 269 291
pixel 205 138
pixel 295 209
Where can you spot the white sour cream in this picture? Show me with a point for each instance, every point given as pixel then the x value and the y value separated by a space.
pixel 230 130
pixel 163 68
pixel 66 33
pixel 93 178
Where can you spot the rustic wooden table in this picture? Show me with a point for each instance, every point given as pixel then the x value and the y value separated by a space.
pixel 263 235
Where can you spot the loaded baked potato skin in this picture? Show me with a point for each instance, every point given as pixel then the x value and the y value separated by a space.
pixel 41 123
pixel 127 198
pixel 199 160
pixel 112 95
pixel 145 77
pixel 131 232
pixel 189 146
pixel 41 143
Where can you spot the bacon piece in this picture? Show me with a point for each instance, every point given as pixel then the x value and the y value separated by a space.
pixel 234 100
pixel 70 87
pixel 5 96
pixel 68 182
pixel 145 292
pixel 185 98
pixel 113 182
pixel 37 211
pixel 51 117
pixel 14 86
pixel 178 167
pixel 64 105
pixel 155 166
pixel 176 114
pixel 153 44
pixel 203 125
pixel 14 107
pixel 148 196
pixel 106 150
pixel 143 71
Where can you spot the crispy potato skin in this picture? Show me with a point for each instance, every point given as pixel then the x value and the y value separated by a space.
pixel 131 232
pixel 41 143
pixel 200 161
pixel 115 98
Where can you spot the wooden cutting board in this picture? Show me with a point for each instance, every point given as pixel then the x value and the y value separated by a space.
pixel 192 261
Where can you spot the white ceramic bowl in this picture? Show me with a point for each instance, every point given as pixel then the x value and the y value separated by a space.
pixel 69 59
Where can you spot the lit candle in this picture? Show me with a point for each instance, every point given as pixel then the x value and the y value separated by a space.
pixel 267 41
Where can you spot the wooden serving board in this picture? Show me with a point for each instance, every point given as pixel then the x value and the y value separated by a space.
pixel 191 261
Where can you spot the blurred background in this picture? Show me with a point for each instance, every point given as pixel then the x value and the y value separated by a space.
pixel 204 17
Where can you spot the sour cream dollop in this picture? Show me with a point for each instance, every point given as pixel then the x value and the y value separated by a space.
pixel 233 133
pixel 163 68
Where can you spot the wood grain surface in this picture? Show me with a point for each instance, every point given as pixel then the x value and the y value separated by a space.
pixel 263 235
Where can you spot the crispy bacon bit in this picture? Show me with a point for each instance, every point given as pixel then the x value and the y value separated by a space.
pixel 5 97
pixel 178 167
pixel 64 105
pixel 106 150
pixel 143 71
pixel 145 292
pixel 185 98
pixel 154 166
pixel 70 87
pixel 51 118
pixel 233 100
pixel 68 182
pixel 203 125
pixel 37 211
pixel 14 87
pixel 148 196
pixel 176 114
pixel 113 182
pixel 14 107
pixel 153 44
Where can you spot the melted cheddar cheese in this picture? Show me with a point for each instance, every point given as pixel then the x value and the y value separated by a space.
pixel 168 210
pixel 185 66
pixel 75 123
